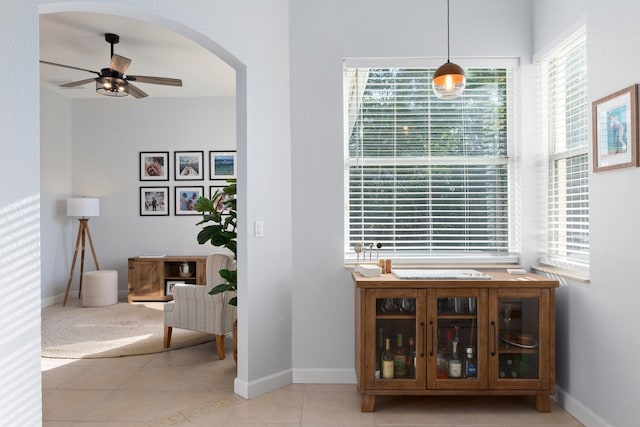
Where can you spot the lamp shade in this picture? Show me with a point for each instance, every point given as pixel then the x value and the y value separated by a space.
pixel 449 81
pixel 83 207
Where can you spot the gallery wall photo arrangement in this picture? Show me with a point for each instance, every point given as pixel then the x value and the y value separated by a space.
pixel 615 130
pixel 222 164
pixel 186 198
pixel 154 201
pixel 189 165
pixel 154 166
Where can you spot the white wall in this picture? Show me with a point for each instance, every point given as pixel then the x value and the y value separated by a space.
pixel 322 34
pixel 20 395
pixel 598 322
pixel 55 188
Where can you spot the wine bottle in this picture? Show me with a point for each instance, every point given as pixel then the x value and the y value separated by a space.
pixel 379 353
pixel 411 358
pixel 513 367
pixel 455 365
pixel 470 365
pixel 387 361
pixel 442 371
pixel 400 359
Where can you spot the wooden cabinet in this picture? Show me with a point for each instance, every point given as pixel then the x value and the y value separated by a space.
pixel 147 278
pixel 507 321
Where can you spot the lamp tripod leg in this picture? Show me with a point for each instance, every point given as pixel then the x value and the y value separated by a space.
pixel 73 263
pixel 93 251
pixel 84 230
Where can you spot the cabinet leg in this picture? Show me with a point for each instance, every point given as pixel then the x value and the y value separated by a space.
pixel 542 403
pixel 368 403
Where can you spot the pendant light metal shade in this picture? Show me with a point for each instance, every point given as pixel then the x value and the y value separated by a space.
pixel 449 79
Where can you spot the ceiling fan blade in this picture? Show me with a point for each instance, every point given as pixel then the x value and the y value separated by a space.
pixel 155 80
pixel 119 63
pixel 69 66
pixel 78 83
pixel 136 92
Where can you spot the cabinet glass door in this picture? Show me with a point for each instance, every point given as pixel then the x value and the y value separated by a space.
pixel 394 361
pixel 457 339
pixel 519 351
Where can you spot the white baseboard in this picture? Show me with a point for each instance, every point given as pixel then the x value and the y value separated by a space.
pixel 324 376
pixel 578 410
pixel 249 390
pixel 58 299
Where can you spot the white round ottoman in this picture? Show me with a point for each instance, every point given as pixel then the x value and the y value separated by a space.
pixel 99 288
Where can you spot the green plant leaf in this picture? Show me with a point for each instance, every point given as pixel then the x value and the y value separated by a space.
pixel 224 287
pixel 221 231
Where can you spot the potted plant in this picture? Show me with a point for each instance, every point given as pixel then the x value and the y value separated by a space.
pixel 220 217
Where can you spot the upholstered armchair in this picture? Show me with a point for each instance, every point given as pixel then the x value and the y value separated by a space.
pixel 194 309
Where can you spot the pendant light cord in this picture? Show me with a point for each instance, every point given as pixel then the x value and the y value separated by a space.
pixel 448 42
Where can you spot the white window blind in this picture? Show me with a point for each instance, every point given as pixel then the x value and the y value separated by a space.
pixel 565 114
pixel 423 176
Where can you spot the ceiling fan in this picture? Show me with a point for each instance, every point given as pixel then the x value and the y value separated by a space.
pixel 112 81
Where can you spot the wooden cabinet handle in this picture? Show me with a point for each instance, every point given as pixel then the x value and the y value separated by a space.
pixel 432 337
pixel 495 339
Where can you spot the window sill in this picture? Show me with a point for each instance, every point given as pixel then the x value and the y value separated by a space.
pixel 577 275
pixel 455 266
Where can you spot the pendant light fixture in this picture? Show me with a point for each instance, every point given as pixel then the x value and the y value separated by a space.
pixel 449 79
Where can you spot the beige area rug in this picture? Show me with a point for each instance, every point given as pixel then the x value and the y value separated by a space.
pixel 123 329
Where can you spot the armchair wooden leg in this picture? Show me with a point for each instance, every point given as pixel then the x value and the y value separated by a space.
pixel 167 336
pixel 220 346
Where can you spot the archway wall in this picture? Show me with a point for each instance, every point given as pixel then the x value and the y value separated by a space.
pixel 252 36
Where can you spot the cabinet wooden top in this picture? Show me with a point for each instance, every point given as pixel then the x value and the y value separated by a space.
pixel 497 280
pixel 170 258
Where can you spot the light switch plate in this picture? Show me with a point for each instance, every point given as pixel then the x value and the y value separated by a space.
pixel 259 228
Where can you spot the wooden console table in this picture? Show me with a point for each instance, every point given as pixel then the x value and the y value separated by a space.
pixel 147 277
pixel 506 321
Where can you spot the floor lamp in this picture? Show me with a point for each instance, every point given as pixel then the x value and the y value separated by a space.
pixel 82 208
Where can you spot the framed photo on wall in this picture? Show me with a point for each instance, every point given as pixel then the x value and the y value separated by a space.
pixel 154 201
pixel 615 130
pixel 189 165
pixel 222 164
pixel 220 205
pixel 154 166
pixel 186 198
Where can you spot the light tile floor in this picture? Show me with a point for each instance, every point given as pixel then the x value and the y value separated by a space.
pixel 191 387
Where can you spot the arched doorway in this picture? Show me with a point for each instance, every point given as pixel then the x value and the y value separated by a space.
pixel 207 44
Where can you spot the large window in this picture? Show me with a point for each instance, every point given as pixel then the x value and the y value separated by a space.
pixel 424 177
pixel 565 115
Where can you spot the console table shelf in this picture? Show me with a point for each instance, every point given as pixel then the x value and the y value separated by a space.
pixel 147 277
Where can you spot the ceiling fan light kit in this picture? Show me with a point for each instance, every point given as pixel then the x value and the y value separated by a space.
pixel 112 81
pixel 449 80
pixel 112 86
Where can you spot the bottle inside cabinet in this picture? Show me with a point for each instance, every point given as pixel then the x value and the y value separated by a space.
pixel 396 324
pixel 456 334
